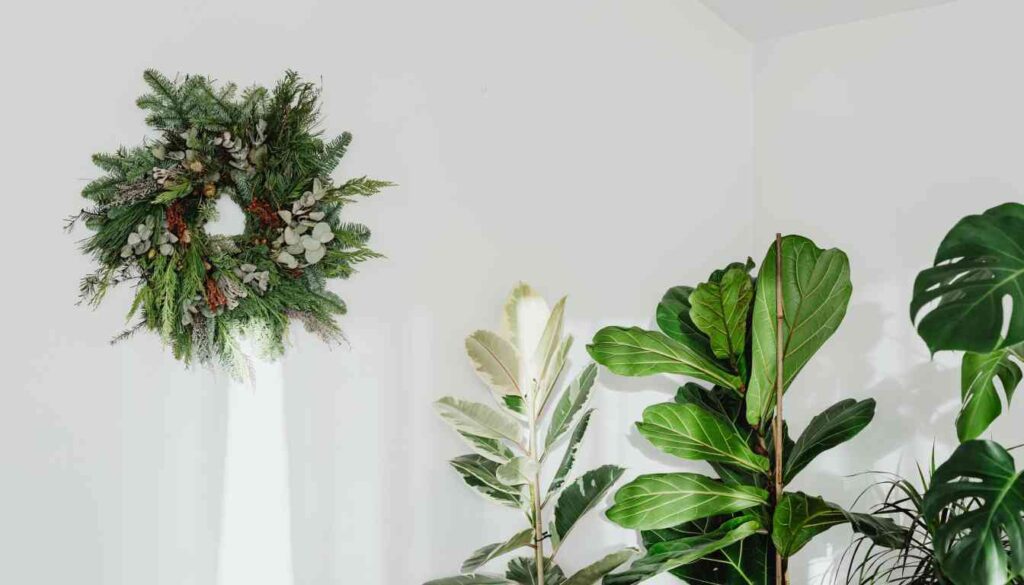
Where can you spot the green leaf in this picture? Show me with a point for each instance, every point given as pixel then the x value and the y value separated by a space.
pixel 663 500
pixel 720 310
pixel 496 362
pixel 816 290
pixel 636 352
pixel 569 458
pixel 492 449
pixel 978 392
pixel 550 340
pixel 572 401
pixel 492 551
pixel 672 554
pixel 837 424
pixel 981 541
pixel 478 419
pixel 592 573
pixel 471 580
pixel 579 497
pixel 978 263
pixel 523 570
pixel 691 432
pixel 799 518
pixel 673 317
pixel 481 474
pixel 518 471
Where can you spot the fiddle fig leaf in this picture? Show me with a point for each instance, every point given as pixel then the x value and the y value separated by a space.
pixel 635 352
pixel 663 500
pixel 799 518
pixel 816 290
pixel 571 402
pixel 496 361
pixel 747 562
pixel 570 454
pixel 592 573
pixel 486 554
pixel 691 432
pixel 981 540
pixel 579 497
pixel 480 474
pixel 719 308
pixel 673 317
pixel 672 554
pixel 978 263
pixel 979 395
pixel 477 419
pixel 837 424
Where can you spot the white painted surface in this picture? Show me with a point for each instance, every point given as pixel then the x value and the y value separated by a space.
pixel 763 19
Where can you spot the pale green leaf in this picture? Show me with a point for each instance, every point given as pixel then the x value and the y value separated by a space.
pixel 720 310
pixel 478 419
pixel 579 497
pixel 496 361
pixel 691 432
pixel 490 552
pixel 663 500
pixel 518 471
pixel 571 402
pixel 569 457
pixel 492 449
pixel 591 574
pixel 480 473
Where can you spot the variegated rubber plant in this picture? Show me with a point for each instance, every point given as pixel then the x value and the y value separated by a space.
pixel 740 527
pixel 513 444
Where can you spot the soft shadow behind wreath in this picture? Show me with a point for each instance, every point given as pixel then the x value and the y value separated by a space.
pixel 201 292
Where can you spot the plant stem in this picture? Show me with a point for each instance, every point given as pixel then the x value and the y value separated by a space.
pixel 538 520
pixel 780 573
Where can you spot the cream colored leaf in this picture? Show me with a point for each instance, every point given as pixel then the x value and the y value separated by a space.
pixel 496 361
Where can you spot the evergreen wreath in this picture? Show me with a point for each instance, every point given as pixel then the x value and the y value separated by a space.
pixel 201 292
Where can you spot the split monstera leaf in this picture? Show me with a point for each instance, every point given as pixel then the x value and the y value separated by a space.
pixel 515 440
pixel 727 529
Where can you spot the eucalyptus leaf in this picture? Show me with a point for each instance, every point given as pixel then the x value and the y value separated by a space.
pixel 816 291
pixel 978 391
pixel 978 263
pixel 837 424
pixel 635 352
pixel 691 432
pixel 663 500
pixel 486 554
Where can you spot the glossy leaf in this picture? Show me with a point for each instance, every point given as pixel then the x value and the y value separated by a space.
pixel 837 424
pixel 673 317
pixel 982 540
pixel 545 356
pixel 523 570
pixel 471 580
pixel 816 290
pixel 492 449
pixel 747 562
pixel 719 309
pixel 799 518
pixel 636 352
pixel 664 500
pixel 570 403
pixel 569 457
pixel 691 432
pixel 591 574
pixel 979 394
pixel 579 497
pixel 496 361
pixel 978 263
pixel 478 419
pixel 486 554
pixel 669 555
pixel 481 474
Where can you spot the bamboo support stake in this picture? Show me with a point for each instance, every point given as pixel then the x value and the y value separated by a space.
pixel 780 575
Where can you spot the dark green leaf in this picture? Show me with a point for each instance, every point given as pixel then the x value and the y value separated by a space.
pixel 748 562
pixel 720 310
pixel 816 289
pixel 492 449
pixel 691 432
pixel 570 453
pixel 571 402
pixel 978 263
pixel 636 352
pixel 471 580
pixel 664 500
pixel 981 542
pixel 837 424
pixel 673 317
pixel 978 392
pixel 799 518
pixel 485 554
pixel 579 497
pixel 523 570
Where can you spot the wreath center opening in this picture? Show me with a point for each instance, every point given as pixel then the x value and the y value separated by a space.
pixel 229 220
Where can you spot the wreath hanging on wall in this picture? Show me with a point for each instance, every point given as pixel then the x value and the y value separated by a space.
pixel 202 292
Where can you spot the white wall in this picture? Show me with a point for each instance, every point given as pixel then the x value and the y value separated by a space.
pixel 877 137
pixel 601 149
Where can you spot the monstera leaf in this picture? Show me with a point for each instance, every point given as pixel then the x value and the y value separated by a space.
pixel 979 394
pixel 978 263
pixel 816 289
pixel 982 541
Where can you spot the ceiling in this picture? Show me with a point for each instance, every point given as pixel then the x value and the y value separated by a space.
pixel 763 19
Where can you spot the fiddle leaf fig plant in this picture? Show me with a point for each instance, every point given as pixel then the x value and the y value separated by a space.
pixel 958 304
pixel 515 441
pixel 728 529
